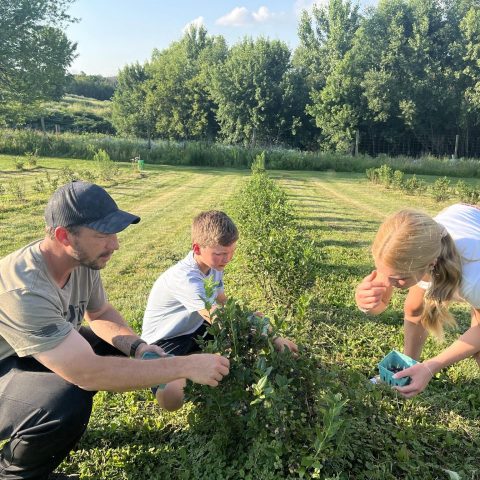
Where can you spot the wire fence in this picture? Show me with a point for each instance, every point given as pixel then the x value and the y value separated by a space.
pixel 455 146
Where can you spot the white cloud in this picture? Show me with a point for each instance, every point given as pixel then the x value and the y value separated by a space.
pixel 198 22
pixel 238 17
pixel 263 15
pixel 301 5
pixel 241 17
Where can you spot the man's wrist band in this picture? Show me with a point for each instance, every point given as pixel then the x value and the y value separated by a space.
pixel 135 345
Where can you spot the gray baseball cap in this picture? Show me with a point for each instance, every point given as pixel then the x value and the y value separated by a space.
pixel 89 205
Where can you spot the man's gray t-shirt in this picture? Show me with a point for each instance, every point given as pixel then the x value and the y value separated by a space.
pixel 35 314
pixel 175 299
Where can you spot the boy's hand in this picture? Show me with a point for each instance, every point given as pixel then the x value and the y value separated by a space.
pixel 281 343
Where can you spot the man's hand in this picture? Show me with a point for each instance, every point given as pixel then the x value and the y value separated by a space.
pixel 207 368
pixel 281 343
pixel 421 375
pixel 145 347
pixel 369 293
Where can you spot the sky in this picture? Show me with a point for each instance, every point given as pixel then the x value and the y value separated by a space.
pixel 113 33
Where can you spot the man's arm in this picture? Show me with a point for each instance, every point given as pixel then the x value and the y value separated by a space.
pixel 75 361
pixel 109 325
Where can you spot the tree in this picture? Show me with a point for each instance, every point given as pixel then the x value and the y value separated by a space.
pixel 325 36
pixel 34 51
pixel 132 104
pixel 253 90
pixel 180 78
pixel 92 86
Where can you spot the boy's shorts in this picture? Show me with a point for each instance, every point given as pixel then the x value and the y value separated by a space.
pixel 182 345
pixel 185 344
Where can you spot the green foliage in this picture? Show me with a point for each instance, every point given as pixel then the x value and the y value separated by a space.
pixel 467 193
pixel 34 52
pixel 91 86
pixel 16 189
pixel 385 175
pixel 441 189
pixel 413 185
pixel 19 163
pixel 181 78
pixel 258 164
pixel 272 414
pixel 84 146
pixel 133 113
pixel 255 90
pixel 72 114
pixel 107 168
pixel 278 257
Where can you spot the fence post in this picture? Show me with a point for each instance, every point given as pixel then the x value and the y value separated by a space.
pixel 357 141
pixel 455 155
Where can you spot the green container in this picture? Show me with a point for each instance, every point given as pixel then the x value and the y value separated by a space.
pixel 141 164
pixel 153 356
pixel 395 361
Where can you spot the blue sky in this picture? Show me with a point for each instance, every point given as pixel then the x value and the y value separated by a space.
pixel 113 33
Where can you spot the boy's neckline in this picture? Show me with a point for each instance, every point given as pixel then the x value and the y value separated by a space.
pixel 203 267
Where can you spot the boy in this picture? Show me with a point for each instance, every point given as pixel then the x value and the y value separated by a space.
pixel 176 315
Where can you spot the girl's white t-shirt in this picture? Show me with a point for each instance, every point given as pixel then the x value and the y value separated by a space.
pixel 463 224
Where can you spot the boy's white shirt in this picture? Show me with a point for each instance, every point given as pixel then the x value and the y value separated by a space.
pixel 175 300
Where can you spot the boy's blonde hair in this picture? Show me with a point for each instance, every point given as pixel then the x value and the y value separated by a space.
pixel 409 242
pixel 213 228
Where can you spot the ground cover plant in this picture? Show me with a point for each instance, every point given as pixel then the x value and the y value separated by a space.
pixel 379 435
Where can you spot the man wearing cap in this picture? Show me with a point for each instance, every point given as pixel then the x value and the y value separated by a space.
pixel 50 366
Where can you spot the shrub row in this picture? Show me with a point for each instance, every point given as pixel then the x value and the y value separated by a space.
pixel 16 142
pixel 442 189
pixel 274 415
pixel 273 253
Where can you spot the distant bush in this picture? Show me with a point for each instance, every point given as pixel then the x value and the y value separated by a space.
pixel 442 189
pixel 107 168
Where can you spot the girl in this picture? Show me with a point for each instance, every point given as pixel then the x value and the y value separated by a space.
pixel 437 260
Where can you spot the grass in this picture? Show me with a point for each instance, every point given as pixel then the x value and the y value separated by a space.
pixel 385 437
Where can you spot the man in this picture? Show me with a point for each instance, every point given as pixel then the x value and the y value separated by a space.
pixel 50 366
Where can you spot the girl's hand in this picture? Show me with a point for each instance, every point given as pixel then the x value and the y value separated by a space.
pixel 369 293
pixel 421 375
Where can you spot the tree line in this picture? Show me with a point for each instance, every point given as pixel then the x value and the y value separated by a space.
pixel 402 71
pixel 401 75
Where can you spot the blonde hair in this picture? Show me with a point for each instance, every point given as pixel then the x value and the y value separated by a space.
pixel 213 228
pixel 409 242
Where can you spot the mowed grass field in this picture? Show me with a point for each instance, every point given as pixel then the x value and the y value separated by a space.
pixel 388 437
